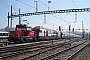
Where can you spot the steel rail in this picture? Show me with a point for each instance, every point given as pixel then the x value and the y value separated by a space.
pixel 70 57
pixel 16 53
pixel 45 51
pixel 52 55
pixel 21 48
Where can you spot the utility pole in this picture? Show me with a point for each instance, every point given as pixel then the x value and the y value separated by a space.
pixel 73 30
pixel 60 32
pixel 53 27
pixel 69 31
pixel 44 18
pixel 82 30
pixel 89 34
pixel 19 17
pixel 11 17
pixel 75 17
pixel 8 21
pixel 49 5
pixel 36 6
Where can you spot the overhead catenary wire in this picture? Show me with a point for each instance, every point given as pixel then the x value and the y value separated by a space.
pixel 52 14
pixel 13 8
pixel 87 13
pixel 59 15
pixel 8 7
pixel 39 9
pixel 43 3
pixel 81 13
pixel 44 14
pixel 80 3
pixel 77 7
pixel 26 4
pixel 68 15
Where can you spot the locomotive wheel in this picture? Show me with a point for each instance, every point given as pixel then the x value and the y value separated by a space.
pixel 9 39
pixel 26 40
pixel 34 39
pixel 21 39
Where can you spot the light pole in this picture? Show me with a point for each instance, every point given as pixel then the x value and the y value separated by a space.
pixel 8 21
pixel 44 18
pixel 53 26
pixel 11 18
pixel 36 5
pixel 49 5
pixel 19 17
pixel 69 31
pixel 82 30
pixel 89 34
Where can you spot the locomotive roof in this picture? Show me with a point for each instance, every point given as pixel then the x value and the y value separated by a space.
pixel 23 26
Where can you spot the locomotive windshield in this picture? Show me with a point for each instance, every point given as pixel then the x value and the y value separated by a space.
pixel 24 29
pixel 29 29
pixel 20 28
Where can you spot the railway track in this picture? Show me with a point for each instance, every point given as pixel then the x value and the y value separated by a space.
pixel 50 46
pixel 83 54
pixel 27 47
pixel 67 54
pixel 36 50
pixel 21 50
pixel 10 49
pixel 41 54
pixel 15 46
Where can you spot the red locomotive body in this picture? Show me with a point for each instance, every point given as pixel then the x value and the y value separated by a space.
pixel 22 33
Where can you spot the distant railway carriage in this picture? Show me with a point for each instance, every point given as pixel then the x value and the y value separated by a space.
pixel 70 35
pixel 45 33
pixel 4 35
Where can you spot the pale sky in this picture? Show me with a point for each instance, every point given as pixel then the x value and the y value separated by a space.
pixel 52 20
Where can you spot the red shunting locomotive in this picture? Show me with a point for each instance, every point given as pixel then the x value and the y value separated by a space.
pixel 22 33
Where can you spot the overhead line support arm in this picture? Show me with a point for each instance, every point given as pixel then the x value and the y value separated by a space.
pixel 51 12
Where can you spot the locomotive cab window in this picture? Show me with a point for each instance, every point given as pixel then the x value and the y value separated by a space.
pixel 29 29
pixel 20 28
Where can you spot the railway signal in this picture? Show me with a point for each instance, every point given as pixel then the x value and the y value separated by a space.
pixel 89 34
pixel 59 28
pixel 73 29
pixel 69 27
